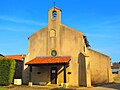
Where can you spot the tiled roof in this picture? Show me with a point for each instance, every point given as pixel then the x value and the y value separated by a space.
pixel 16 57
pixel 49 60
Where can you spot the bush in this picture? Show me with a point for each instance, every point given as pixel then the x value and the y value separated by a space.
pixel 7 68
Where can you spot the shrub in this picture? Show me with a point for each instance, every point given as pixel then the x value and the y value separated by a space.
pixel 7 68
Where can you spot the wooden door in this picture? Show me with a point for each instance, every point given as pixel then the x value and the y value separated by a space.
pixel 53 75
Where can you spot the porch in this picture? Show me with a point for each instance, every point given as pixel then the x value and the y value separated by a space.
pixel 46 70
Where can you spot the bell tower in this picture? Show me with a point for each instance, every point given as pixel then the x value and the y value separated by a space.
pixel 54 22
pixel 54 16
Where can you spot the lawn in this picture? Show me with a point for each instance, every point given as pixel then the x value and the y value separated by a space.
pixel 117 78
pixel 3 88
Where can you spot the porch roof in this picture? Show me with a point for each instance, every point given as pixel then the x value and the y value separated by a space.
pixel 49 60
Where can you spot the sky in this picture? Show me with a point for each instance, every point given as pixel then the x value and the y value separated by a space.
pixel 99 20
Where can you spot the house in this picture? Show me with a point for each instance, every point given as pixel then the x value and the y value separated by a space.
pixel 19 58
pixel 115 68
pixel 59 54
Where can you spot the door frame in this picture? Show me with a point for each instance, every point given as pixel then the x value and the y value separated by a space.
pixel 53 75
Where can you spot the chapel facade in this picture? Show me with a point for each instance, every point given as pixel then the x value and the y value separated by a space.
pixel 60 54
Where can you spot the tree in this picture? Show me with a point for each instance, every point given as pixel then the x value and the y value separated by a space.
pixel 7 69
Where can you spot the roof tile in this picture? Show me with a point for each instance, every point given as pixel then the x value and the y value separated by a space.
pixel 49 60
pixel 16 57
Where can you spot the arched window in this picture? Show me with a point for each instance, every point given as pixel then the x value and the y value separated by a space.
pixel 52 33
pixel 54 15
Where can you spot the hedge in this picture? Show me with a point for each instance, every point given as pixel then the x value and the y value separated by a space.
pixel 7 69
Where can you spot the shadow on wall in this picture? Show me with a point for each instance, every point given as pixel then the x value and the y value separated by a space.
pixel 18 70
pixel 25 76
pixel 81 70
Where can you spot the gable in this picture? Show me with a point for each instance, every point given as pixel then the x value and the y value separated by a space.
pixel 43 30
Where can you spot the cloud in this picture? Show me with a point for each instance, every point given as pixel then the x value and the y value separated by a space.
pixel 23 21
pixel 15 29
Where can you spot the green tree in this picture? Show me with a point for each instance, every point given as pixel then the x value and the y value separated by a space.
pixel 7 69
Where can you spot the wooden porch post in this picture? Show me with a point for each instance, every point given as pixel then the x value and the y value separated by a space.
pixel 64 73
pixel 30 74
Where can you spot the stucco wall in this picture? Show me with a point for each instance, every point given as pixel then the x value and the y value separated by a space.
pixel 99 67
pixel 71 44
pixel 40 74
pixel 38 43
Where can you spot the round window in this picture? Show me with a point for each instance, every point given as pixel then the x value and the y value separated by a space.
pixel 54 53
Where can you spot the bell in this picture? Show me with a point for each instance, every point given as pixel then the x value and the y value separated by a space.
pixel 54 14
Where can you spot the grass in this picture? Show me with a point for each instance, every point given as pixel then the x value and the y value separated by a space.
pixel 116 78
pixel 3 88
